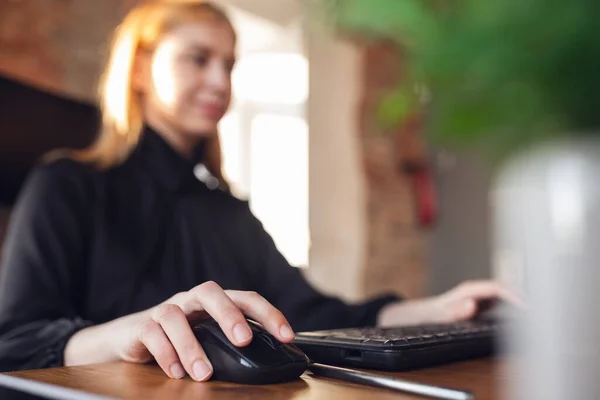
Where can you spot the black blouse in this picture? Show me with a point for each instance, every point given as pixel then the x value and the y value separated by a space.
pixel 86 246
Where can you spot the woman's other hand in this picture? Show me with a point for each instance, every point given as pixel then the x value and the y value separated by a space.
pixel 457 304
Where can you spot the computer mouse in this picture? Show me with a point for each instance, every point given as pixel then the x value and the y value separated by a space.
pixel 265 360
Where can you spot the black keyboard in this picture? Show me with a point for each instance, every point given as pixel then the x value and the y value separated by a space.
pixel 409 335
pixel 414 346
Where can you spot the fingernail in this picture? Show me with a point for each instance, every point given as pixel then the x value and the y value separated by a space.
pixel 177 371
pixel 241 333
pixel 286 332
pixel 201 370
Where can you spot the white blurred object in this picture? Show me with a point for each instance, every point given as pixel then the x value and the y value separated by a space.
pixel 204 175
pixel 547 242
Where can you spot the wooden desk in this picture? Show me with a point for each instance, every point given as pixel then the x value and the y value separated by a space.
pixel 129 381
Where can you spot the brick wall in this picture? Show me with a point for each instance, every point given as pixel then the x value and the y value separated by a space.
pixel 57 45
pixel 396 251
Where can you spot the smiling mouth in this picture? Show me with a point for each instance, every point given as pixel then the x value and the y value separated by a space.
pixel 212 110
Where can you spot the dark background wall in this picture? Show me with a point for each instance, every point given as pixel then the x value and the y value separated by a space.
pixel 33 122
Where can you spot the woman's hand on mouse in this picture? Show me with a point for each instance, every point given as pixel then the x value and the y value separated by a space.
pixel 457 304
pixel 163 332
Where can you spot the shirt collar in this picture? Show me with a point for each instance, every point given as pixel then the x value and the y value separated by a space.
pixel 165 164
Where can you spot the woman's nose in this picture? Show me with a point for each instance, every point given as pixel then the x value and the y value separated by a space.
pixel 218 77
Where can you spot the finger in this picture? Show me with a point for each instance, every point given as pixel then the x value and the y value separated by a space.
pixel 258 308
pixel 192 309
pixel 154 338
pixel 489 289
pixel 177 328
pixel 466 309
pixel 213 299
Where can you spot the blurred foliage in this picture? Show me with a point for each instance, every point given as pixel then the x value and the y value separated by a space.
pixel 500 74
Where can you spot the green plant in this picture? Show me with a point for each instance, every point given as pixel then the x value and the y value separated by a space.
pixel 500 74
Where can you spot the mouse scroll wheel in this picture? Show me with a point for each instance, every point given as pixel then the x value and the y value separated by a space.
pixel 269 340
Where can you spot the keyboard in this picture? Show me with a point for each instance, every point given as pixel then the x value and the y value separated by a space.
pixel 409 335
pixel 401 348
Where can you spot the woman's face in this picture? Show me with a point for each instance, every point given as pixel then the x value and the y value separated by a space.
pixel 186 81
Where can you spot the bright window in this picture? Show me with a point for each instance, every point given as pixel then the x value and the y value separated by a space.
pixel 279 182
pixel 264 136
pixel 276 78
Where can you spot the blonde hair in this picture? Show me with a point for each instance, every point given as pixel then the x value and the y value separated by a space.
pixel 122 119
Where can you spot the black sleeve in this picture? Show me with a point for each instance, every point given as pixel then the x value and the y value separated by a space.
pixel 45 243
pixel 305 308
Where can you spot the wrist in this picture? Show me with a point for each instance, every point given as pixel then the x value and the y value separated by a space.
pixel 101 343
pixel 90 345
pixel 410 312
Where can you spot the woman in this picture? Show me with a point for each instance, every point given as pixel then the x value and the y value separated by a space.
pixel 113 251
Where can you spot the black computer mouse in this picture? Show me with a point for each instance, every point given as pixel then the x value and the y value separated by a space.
pixel 265 360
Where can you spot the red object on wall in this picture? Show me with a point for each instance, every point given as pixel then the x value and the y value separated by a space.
pixel 426 205
pixel 414 161
pixel 426 202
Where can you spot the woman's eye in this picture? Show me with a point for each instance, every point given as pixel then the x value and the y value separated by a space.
pixel 200 60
